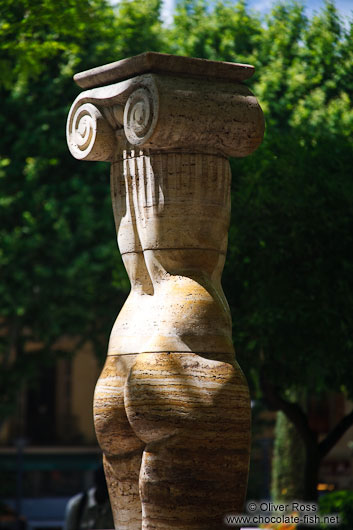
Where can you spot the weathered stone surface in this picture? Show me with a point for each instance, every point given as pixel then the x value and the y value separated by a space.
pixel 152 62
pixel 172 409
pixel 164 113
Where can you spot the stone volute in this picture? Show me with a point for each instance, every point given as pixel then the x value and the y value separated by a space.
pixel 171 406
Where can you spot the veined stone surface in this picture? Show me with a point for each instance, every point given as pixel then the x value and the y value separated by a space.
pixel 172 410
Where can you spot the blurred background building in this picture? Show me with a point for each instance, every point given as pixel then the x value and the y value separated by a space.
pixel 48 450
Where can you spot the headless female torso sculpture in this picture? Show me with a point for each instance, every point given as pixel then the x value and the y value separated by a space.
pixel 171 406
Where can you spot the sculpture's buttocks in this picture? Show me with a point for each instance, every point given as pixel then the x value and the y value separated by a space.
pixel 171 406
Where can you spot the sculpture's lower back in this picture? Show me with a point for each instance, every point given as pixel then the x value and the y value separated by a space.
pixel 172 410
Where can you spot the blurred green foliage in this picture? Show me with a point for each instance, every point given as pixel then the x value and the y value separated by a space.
pixel 289 272
pixel 338 502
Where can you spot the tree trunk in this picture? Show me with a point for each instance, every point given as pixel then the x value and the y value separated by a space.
pixel 311 473
pixel 315 450
pixel 288 463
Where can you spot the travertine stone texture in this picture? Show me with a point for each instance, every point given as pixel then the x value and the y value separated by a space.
pixel 172 411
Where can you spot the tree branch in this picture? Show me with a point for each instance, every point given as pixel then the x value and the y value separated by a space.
pixel 333 436
pixel 292 410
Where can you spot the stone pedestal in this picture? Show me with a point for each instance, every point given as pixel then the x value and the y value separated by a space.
pixel 172 411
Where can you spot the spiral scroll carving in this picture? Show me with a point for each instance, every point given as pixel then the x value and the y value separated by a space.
pixel 89 135
pixel 140 117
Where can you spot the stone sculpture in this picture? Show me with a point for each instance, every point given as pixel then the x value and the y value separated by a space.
pixel 171 407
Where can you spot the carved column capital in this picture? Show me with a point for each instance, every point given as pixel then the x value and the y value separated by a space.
pixel 163 107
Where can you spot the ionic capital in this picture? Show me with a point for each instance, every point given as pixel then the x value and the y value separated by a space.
pixel 166 103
